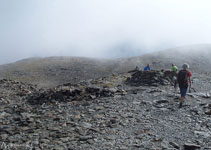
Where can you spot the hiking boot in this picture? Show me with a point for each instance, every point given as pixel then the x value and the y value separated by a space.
pixel 180 104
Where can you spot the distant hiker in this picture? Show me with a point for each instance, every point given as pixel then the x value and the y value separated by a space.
pixel 174 68
pixel 147 67
pixel 184 81
pixel 137 68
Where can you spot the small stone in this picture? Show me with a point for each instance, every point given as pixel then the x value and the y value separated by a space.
pixel 86 125
pixel 65 139
pixel 113 121
pixel 90 141
pixel 190 146
pixel 162 101
pixel 4 136
pixel 136 103
pixel 85 138
pixel 77 117
pixel 92 96
pixel 208 112
pixel 123 148
pixel 44 141
pixel 204 134
pixel 36 142
pixel 175 145
pixel 58 147
pixel 91 110
pixel 138 146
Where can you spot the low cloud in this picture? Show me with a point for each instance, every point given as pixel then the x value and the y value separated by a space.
pixel 99 28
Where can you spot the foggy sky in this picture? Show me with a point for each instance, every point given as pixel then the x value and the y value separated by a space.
pixel 100 28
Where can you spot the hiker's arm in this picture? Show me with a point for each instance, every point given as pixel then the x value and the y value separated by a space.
pixel 189 76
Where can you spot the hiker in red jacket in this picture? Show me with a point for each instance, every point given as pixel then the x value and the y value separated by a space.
pixel 184 81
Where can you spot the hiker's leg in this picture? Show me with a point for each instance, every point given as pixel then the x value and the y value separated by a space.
pixel 183 94
pixel 180 92
pixel 182 99
pixel 175 87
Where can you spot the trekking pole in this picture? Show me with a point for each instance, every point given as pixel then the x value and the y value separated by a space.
pixel 193 89
pixel 175 90
pixel 189 89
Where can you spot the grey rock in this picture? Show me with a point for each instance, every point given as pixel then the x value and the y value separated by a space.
pixel 86 125
pixel 190 146
pixel 204 134
pixel 85 138
pixel 152 78
pixel 208 112
pixel 175 145
pixel 67 117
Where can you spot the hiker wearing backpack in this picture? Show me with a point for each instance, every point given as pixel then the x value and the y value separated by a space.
pixel 184 81
pixel 147 68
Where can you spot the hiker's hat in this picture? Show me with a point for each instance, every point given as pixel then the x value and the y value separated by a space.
pixel 185 66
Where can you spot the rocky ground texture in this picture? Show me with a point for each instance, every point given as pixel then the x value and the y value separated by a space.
pixel 113 112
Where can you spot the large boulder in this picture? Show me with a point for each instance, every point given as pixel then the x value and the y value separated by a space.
pixel 151 78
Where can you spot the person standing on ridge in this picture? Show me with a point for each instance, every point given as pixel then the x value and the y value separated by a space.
pixel 184 81
pixel 174 68
pixel 147 68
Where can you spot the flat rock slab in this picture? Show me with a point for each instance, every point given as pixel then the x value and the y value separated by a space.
pixel 190 146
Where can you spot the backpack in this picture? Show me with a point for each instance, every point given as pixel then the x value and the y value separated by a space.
pixel 182 79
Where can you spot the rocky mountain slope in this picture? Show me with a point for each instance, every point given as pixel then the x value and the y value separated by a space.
pixel 52 71
pixel 55 70
pixel 198 56
pixel 97 104
pixel 112 112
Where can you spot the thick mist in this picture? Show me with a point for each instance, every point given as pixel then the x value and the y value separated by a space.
pixel 100 28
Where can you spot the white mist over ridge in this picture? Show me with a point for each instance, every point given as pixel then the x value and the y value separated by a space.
pixel 99 28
